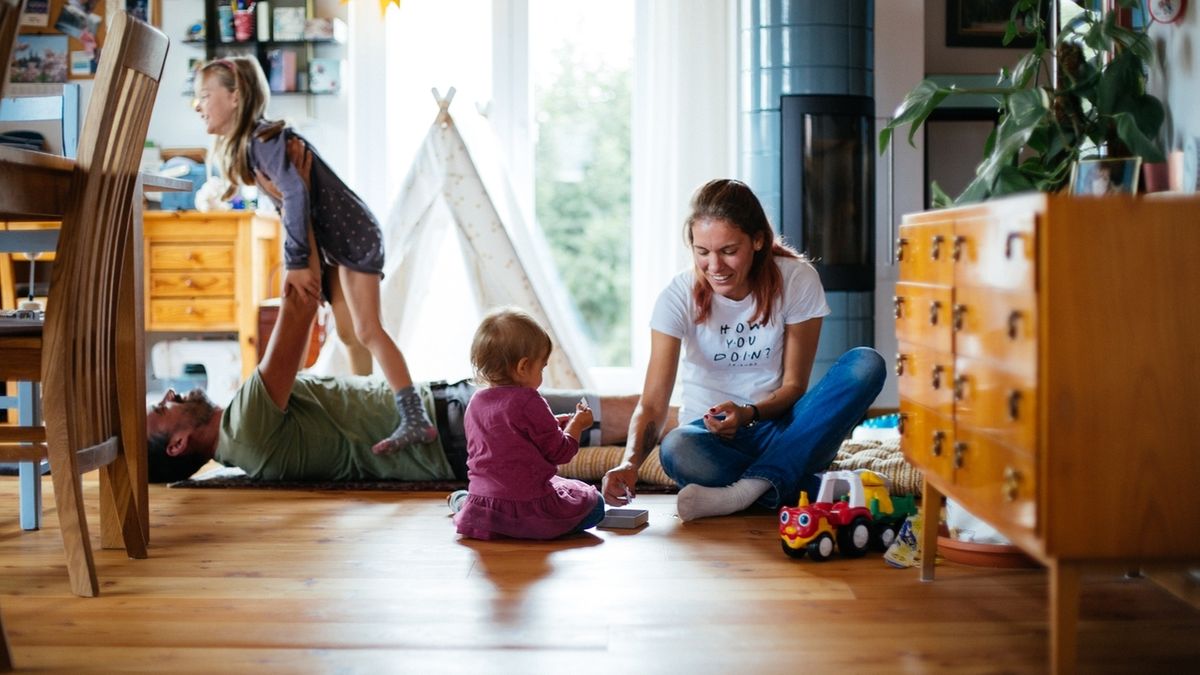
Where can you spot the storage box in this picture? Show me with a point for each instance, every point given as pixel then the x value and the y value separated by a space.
pixel 288 24
pixel 624 519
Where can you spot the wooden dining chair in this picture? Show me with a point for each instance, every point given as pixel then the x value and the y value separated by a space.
pixel 82 378
pixel 10 24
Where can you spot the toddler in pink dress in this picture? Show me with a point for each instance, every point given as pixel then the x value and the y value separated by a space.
pixel 515 443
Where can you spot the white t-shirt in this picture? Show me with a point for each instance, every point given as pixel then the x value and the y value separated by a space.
pixel 727 358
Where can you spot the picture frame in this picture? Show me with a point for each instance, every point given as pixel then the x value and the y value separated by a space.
pixel 981 23
pixel 1106 176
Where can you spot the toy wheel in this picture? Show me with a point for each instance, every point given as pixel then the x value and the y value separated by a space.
pixel 821 548
pixel 882 536
pixel 853 539
pixel 792 552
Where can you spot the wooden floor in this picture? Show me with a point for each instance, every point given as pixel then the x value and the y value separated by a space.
pixel 273 581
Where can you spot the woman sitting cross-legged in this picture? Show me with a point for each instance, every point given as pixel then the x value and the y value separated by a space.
pixel 745 319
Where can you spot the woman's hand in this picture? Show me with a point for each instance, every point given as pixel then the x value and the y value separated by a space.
pixel 724 419
pixel 306 281
pixel 619 485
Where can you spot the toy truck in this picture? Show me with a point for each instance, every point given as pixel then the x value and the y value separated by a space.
pixel 852 507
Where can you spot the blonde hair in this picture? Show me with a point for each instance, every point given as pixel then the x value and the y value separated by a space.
pixel 244 76
pixel 504 337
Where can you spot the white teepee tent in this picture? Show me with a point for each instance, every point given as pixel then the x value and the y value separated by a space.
pixel 434 293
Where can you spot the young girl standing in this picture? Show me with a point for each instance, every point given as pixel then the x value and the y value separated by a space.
pixel 515 443
pixel 346 267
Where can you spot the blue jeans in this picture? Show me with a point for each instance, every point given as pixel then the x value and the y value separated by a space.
pixel 786 451
pixel 592 519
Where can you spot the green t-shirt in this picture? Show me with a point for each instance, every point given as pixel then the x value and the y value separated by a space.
pixel 326 433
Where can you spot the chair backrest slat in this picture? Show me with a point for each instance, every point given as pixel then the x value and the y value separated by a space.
pixel 79 358
pixel 10 25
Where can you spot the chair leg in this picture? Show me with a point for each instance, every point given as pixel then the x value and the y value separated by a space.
pixel 5 655
pixel 72 521
pixel 117 490
pixel 29 414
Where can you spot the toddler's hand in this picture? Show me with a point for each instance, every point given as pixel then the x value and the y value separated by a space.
pixel 581 420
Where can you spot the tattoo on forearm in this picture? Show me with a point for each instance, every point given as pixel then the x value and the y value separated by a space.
pixel 649 439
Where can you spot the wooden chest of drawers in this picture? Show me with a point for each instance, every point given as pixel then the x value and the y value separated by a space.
pixel 1049 358
pixel 208 272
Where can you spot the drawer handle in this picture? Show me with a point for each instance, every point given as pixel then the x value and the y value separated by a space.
pixel 900 423
pixel 936 248
pixel 901 242
pixel 189 282
pixel 1014 404
pixel 960 449
pixel 958 312
pixel 956 252
pixel 193 257
pixel 1008 243
pixel 937 376
pixel 900 358
pixel 934 307
pixel 960 387
pixel 898 304
pixel 938 437
pixel 190 310
pixel 1012 482
pixel 1014 324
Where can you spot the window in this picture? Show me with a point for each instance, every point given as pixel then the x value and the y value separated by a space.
pixel 580 57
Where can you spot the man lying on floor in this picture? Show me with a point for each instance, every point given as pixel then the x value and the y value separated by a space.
pixel 284 425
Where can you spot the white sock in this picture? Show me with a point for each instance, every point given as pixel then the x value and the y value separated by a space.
pixel 697 501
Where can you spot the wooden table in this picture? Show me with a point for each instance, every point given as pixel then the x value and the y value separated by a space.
pixel 37 186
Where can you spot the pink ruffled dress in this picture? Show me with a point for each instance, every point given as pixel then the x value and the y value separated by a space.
pixel 514 447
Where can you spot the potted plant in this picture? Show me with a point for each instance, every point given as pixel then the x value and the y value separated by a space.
pixel 1099 102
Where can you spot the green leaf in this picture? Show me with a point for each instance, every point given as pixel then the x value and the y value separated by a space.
pixel 1028 67
pixel 1010 180
pixel 1139 143
pixel 914 110
pixel 1122 78
pixel 938 196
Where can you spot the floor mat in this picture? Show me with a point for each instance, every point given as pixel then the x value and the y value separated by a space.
pixel 233 477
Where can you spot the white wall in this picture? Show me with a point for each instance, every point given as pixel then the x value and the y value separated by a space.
pixel 900 173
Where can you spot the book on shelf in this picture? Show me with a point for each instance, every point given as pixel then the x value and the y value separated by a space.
pixel 282 77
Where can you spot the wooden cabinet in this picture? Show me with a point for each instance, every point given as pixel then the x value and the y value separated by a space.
pixel 208 272
pixel 1049 357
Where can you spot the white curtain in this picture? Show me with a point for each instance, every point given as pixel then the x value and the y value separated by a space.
pixel 684 134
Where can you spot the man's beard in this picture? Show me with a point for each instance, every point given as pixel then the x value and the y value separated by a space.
pixel 198 407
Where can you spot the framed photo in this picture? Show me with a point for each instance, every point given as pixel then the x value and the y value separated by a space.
pixel 981 23
pixel 39 58
pixel 1096 177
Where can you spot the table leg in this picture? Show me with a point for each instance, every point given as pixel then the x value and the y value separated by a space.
pixel 931 516
pixel 1064 615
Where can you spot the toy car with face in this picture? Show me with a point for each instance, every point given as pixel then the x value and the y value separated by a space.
pixel 853 508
